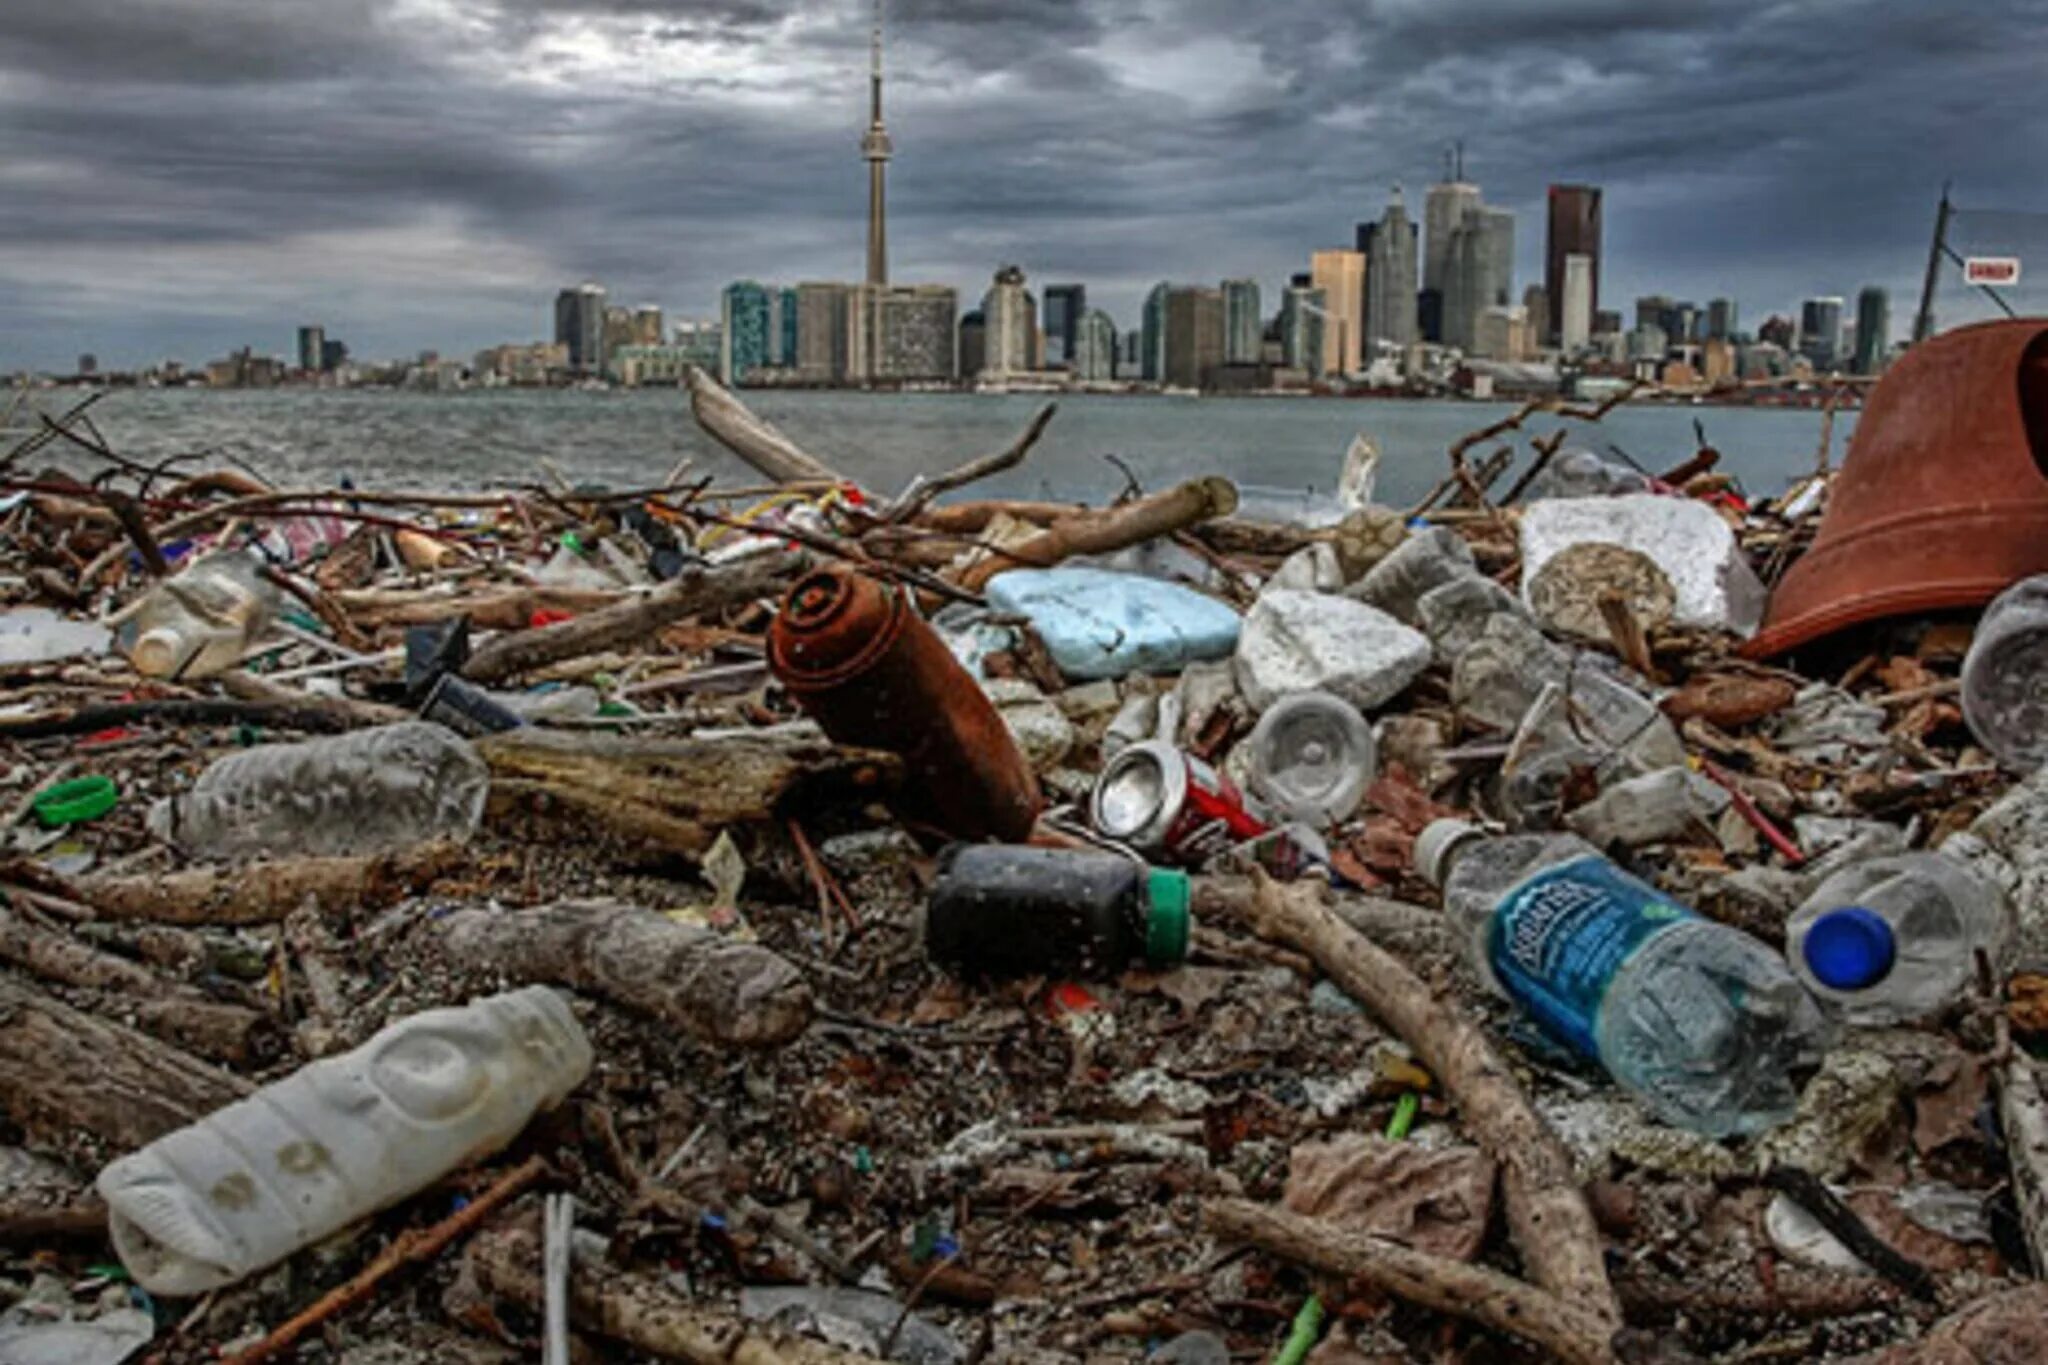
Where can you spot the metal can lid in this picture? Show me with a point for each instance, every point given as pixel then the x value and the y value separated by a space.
pixel 1133 792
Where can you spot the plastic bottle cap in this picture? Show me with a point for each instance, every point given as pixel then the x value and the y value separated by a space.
pixel 1434 846
pixel 1850 948
pixel 81 799
pixel 157 652
pixel 1167 921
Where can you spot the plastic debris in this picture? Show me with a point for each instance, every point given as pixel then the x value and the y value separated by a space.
pixel 1711 580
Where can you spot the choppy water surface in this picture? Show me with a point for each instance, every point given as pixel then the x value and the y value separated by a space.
pixel 486 439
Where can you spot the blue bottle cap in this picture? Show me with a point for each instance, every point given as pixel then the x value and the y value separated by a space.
pixel 1850 948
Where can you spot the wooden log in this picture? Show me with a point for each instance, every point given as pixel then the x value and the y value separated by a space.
pixel 716 988
pixel 641 796
pixel 348 712
pixel 923 490
pixel 262 892
pixel 639 1312
pixel 69 1079
pixel 2024 1115
pixel 1114 528
pixel 728 421
pixel 693 592
pixel 972 518
pixel 498 609
pixel 1497 1302
pixel 1547 1212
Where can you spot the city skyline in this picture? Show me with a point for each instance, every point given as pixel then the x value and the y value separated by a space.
pixel 239 169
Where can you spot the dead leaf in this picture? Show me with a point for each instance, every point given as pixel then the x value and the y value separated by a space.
pixel 1437 1201
pixel 1729 700
pixel 944 1003
pixel 1945 1107
pixel 2028 1003
pixel 1396 794
pixel 1191 988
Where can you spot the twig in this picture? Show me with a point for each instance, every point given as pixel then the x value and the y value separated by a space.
pixel 921 493
pixel 1805 1189
pixel 559 1225
pixel 1752 813
pixel 415 1244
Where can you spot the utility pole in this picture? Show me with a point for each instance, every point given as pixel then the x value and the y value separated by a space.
pixel 1923 322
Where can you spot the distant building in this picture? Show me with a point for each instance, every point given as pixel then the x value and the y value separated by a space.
pixel 912 327
pixel 1652 309
pixel 1820 332
pixel 748 341
pixel 618 331
pixel 1575 317
pixel 1778 331
pixel 1721 320
pixel 1152 350
pixel 1011 315
pixel 1480 273
pixel 1765 359
pixel 1130 355
pixel 824 311
pixel 579 325
pixel 1302 309
pixel 312 339
pixel 1503 333
pixel 1443 209
pixel 1574 230
pixel 703 339
pixel 1065 306
pixel 973 343
pixel 1718 361
pixel 1094 357
pixel 1606 322
pixel 334 354
pixel 515 364
pixel 88 363
pixel 1243 322
pixel 647 325
pixel 1390 251
pixel 1194 336
pixel 1873 330
pixel 1340 275
pixel 1648 342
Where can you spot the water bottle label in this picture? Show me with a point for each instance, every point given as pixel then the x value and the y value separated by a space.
pixel 1558 939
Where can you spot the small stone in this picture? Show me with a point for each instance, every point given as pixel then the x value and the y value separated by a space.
pixel 1851 1114
pixel 1427 559
pixel 1041 731
pixel 1298 641
pixel 1566 594
pixel 1313 568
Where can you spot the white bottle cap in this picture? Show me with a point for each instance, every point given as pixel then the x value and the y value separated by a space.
pixel 1435 845
pixel 159 652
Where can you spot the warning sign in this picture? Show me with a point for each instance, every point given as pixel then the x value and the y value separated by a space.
pixel 1992 270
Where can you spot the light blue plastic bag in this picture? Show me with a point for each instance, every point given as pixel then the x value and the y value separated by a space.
pixel 1098 624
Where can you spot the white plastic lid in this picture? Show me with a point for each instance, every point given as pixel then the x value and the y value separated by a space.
pixel 1434 846
pixel 158 652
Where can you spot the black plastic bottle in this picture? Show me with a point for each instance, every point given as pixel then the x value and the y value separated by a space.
pixel 1002 910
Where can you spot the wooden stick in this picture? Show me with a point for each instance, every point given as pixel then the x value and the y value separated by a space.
pixel 1547 1212
pixel 2024 1115
pixel 84 720
pixel 1495 1301
pixel 921 493
pixel 1135 522
pixel 265 891
pixel 414 1244
pixel 731 423
pixel 1626 634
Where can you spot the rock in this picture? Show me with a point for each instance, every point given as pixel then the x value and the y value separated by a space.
pixel 1041 731
pixel 1427 559
pixel 1566 594
pixel 1295 641
pixel 1713 584
pixel 1366 537
pixel 1850 1117
pixel 1498 677
pixel 1454 614
pixel 1312 568
pixel 1193 1348
pixel 2000 1329
pixel 1601 1126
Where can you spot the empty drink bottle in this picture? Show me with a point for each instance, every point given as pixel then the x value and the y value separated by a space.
pixel 201 622
pixel 1312 757
pixel 1896 938
pixel 1699 1021
pixel 1010 911
pixel 2005 676
pixel 372 791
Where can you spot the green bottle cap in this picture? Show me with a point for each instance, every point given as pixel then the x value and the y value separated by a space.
pixel 1167 919
pixel 573 543
pixel 81 799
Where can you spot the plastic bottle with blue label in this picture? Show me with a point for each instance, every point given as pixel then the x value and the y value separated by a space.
pixel 1896 939
pixel 1701 1022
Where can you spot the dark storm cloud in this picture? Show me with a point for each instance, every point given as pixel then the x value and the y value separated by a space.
pixel 185 175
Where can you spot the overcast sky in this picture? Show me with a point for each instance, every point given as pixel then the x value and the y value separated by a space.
pixel 181 176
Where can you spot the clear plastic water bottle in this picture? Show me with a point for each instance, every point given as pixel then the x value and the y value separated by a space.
pixel 371 791
pixel 1896 939
pixel 338 1139
pixel 2005 676
pixel 1701 1022
pixel 1582 474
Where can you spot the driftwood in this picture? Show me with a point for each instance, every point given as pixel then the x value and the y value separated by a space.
pixel 265 891
pixel 497 609
pixel 691 593
pixel 638 1312
pixel 716 988
pixel 1115 528
pixel 1495 1301
pixel 67 1076
pixel 735 426
pixel 1409 931
pixel 347 711
pixel 670 796
pixel 306 715
pixel 1547 1212
pixel 2024 1115
pixel 923 490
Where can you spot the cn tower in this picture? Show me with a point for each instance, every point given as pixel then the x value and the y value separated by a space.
pixel 875 147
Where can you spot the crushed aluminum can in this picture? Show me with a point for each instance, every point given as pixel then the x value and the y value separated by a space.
pixel 1171 805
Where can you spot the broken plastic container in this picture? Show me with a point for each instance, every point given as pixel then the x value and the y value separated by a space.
pixel 1098 624
pixel 1896 939
pixel 202 621
pixel 2005 676
pixel 1582 474
pixel 1426 559
pixel 1312 757
pixel 1454 614
pixel 371 791
pixel 1714 586
pixel 339 1139
pixel 1700 1021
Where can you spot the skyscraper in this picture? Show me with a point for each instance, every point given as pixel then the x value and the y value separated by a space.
pixel 1243 324
pixel 648 327
pixel 1389 247
pixel 875 148
pixel 1575 318
pixel 1194 335
pixel 1340 275
pixel 973 344
pixel 912 327
pixel 1010 315
pixel 821 332
pixel 1094 357
pixel 1820 332
pixel 1443 208
pixel 311 340
pixel 1574 231
pixel 1152 360
pixel 744 314
pixel 579 325
pixel 1065 306
pixel 1721 319
pixel 1873 329
pixel 1479 274
pixel 1301 327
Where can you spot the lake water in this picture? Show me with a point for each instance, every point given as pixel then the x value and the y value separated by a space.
pixel 486 439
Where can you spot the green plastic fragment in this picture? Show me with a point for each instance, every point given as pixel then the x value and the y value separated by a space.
pixel 76 801
pixel 1404 1115
pixel 1308 1327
